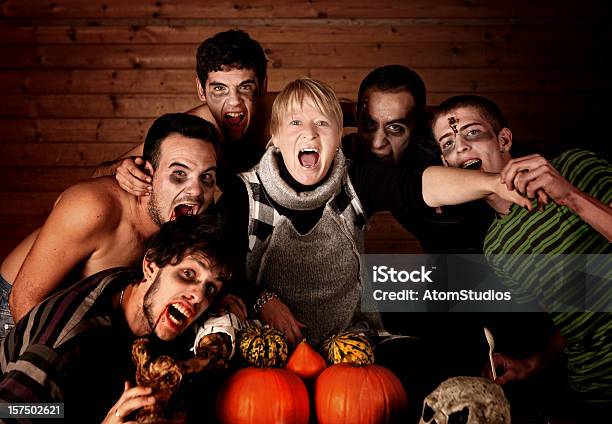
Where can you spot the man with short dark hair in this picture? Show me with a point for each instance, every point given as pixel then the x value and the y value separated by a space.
pixel 74 347
pixel 574 191
pixel 95 225
pixel 231 83
pixel 391 114
pixel 231 70
pixel 392 127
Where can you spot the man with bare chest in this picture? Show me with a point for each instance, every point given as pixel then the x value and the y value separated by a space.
pixel 231 83
pixel 96 225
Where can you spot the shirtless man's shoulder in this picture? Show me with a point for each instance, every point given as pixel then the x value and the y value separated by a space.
pixel 115 218
pixel 203 111
pixel 99 198
pixel 77 204
pixel 87 222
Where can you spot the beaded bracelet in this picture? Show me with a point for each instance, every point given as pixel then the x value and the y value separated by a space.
pixel 262 300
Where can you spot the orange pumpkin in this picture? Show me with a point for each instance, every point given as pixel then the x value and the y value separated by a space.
pixel 263 396
pixel 306 362
pixel 370 394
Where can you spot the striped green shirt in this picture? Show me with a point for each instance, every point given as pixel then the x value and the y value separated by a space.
pixel 511 246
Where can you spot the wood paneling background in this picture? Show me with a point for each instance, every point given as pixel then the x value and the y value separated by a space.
pixel 81 80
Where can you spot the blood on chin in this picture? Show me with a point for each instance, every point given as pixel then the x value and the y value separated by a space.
pixel 164 322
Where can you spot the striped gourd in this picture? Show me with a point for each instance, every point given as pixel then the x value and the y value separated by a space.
pixel 348 347
pixel 263 347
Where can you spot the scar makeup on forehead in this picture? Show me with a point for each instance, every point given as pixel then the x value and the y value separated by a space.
pixel 452 121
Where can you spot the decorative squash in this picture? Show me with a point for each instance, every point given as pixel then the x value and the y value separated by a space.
pixel 369 394
pixel 306 362
pixel 262 346
pixel 349 347
pixel 263 396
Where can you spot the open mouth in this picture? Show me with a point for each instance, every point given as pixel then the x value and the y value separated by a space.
pixel 234 118
pixel 178 314
pixel 309 158
pixel 183 209
pixel 384 158
pixel 472 164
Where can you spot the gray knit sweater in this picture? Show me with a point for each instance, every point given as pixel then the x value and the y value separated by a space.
pixel 315 274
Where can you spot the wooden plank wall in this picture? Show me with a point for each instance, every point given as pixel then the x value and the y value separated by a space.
pixel 81 80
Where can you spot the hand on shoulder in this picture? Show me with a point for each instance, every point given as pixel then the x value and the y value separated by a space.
pixel 132 177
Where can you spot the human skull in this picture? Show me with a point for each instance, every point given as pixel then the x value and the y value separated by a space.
pixel 466 400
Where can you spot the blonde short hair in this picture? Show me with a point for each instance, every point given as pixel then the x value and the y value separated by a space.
pixel 295 92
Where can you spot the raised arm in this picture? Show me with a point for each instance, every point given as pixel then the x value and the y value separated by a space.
pixel 533 174
pixel 381 187
pixel 128 169
pixel 129 172
pixel 69 237
pixel 444 186
pixel 109 168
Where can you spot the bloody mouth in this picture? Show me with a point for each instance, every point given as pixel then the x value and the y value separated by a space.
pixel 176 315
pixel 183 209
pixel 234 119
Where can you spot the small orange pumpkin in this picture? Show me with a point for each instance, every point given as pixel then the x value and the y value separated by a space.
pixel 263 396
pixel 370 394
pixel 306 362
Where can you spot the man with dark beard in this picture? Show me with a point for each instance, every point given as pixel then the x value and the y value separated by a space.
pixel 95 225
pixel 77 342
